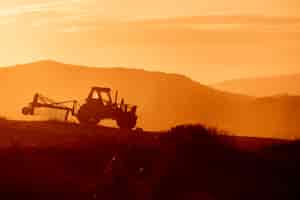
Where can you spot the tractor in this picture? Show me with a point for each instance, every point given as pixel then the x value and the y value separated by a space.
pixel 98 106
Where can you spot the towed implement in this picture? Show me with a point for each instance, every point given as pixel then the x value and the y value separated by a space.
pixel 98 106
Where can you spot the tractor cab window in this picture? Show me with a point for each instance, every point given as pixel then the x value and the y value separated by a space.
pixel 95 95
pixel 105 98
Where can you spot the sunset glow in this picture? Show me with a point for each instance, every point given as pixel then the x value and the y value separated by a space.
pixel 156 35
pixel 149 99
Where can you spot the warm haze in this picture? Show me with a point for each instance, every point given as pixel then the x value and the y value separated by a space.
pixel 207 42
pixel 223 40
pixel 149 99
pixel 164 100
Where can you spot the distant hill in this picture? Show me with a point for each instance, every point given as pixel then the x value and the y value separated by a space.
pixel 164 100
pixel 265 86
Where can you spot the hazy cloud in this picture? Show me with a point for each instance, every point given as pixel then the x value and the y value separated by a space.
pixel 28 8
pixel 51 13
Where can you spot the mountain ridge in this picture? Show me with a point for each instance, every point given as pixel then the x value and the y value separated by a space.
pixel 163 100
pixel 268 85
pixel 54 63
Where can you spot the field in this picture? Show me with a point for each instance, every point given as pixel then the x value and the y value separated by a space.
pixel 54 160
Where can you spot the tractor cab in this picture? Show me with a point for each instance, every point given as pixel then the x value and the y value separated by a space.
pixel 100 95
pixel 99 105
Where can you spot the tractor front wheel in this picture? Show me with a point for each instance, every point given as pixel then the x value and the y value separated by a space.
pixel 126 123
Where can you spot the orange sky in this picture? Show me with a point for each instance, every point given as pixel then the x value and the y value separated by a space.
pixel 155 8
pixel 106 33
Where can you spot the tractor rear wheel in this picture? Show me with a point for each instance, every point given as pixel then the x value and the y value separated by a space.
pixel 87 116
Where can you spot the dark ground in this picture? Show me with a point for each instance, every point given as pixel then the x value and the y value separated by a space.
pixel 51 160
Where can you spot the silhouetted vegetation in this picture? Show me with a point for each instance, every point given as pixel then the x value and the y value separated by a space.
pixel 46 160
pixel 208 167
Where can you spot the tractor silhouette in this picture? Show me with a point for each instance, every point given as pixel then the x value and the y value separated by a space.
pixel 98 106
